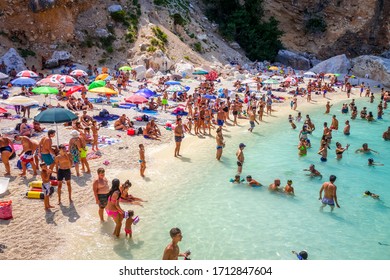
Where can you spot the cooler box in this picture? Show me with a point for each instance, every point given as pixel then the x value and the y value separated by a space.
pixel 131 131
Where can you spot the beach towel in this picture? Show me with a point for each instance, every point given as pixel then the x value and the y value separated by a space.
pixel 93 155
pixel 4 182
pixel 110 117
pixel 104 141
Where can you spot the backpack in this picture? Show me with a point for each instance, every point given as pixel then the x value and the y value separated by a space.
pixel 140 131
pixel 145 118
pixel 104 113
pixel 17 127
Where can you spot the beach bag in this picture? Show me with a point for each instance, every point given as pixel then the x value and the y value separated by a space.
pixel 5 95
pixel 145 118
pixel 140 131
pixel 17 127
pixel 104 123
pixel 6 210
pixel 104 113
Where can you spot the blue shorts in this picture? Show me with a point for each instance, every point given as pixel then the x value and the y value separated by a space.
pixel 47 159
pixel 220 122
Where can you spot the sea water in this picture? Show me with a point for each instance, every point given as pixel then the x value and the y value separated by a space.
pixel 221 220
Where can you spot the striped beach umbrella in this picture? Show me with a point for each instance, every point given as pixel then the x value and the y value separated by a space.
pixel 68 80
pixel 78 73
pixel 52 82
pixel 27 73
pixel 176 88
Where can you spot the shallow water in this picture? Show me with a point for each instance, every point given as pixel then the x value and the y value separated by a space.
pixel 221 220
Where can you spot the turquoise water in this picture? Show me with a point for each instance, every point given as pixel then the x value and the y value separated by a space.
pixel 220 220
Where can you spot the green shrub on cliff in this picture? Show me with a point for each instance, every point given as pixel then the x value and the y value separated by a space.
pixel 244 23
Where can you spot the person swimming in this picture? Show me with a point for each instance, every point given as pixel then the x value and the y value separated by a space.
pixel 302 255
pixel 373 195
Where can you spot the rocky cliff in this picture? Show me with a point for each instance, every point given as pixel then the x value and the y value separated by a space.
pixel 331 27
pixel 87 30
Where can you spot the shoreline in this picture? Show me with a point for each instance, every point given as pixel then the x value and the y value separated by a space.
pixel 156 154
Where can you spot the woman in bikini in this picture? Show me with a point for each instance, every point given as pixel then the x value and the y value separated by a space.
pixel 113 208
pixel 340 150
pixel 6 150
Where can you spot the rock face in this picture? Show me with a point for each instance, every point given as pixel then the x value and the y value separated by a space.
pixel 292 59
pixel 378 68
pixel 58 58
pixel 41 5
pixel 184 69
pixel 141 71
pixel 337 64
pixel 352 27
pixel 12 59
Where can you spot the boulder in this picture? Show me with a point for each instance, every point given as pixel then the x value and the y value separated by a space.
pixel 52 63
pixel 41 5
pixel 377 68
pixel 61 55
pixel 149 73
pixel 12 59
pixel 386 54
pixel 141 71
pixel 184 69
pixel 115 8
pixel 102 33
pixel 292 59
pixel 337 64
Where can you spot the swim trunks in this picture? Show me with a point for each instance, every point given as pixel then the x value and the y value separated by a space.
pixel 47 159
pixel 164 101
pixel 178 139
pixel 219 147
pixel 328 201
pixel 347 133
pixel 128 231
pixel 46 188
pixel 239 163
pixel 220 122
pixel 103 200
pixel 140 160
pixel 6 148
pixel 323 159
pixel 252 123
pixel 27 157
pixel 235 113
pixel 63 174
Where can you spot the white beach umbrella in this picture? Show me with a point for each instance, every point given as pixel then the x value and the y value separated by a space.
pixel 3 76
pixel 20 101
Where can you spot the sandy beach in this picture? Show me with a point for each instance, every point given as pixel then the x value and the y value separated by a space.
pixel 33 232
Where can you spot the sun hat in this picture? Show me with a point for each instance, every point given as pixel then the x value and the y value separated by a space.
pixel 242 145
pixel 74 133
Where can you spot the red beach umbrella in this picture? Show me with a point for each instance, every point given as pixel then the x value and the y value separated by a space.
pixel 68 80
pixel 136 99
pixel 78 73
pixel 2 110
pixel 27 73
pixel 74 89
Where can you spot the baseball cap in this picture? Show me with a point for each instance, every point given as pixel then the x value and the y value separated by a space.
pixel 242 145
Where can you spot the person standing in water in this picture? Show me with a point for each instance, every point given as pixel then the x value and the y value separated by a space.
pixel 220 143
pixel 330 196
pixel 179 135
pixel 142 160
pixel 172 251
pixel 240 157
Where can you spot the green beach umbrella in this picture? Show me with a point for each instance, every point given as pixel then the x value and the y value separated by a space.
pixel 45 90
pixel 337 74
pixel 125 68
pixel 200 72
pixel 97 84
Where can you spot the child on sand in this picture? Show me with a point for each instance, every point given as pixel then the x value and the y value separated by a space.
pixel 142 160
pixel 129 221
pixel 95 128
pixel 45 175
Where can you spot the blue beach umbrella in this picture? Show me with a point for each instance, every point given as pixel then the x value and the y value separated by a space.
pixel 172 83
pixel 55 115
pixel 209 96
pixel 23 81
pixel 145 92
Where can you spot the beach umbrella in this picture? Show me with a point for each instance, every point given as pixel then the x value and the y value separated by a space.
pixel 212 76
pixel 289 79
pixel 52 82
pixel 96 84
pixel 45 90
pixel 248 81
pixel 27 73
pixel 264 76
pixel 105 90
pixel 328 74
pixel 309 73
pixel 136 99
pixel 200 72
pixel 23 81
pixel 209 96
pixel 273 68
pixel 20 101
pixel 336 74
pixel 145 92
pixel 101 77
pixel 55 76
pixel 68 80
pixel 3 76
pixel 271 81
pixel 2 110
pixel 55 116
pixel 78 73
pixel 175 88
pixel 125 68
pixel 170 83
pixel 352 77
pixel 74 89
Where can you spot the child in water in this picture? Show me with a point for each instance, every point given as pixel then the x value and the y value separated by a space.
pixel 129 221
pixel 373 195
pixel 237 179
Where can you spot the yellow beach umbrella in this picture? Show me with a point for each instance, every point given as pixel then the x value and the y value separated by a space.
pixel 273 68
pixel 101 77
pixel 329 75
pixel 104 90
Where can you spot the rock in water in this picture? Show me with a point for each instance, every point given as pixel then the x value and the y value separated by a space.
pixel 12 59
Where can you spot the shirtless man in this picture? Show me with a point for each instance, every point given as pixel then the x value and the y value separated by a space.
pixel 234 109
pixel 220 143
pixel 252 182
pixel 330 197
pixel 172 251
pixel 45 175
pixel 313 171
pixel 347 128
pixel 220 117
pixel 335 123
pixel 365 149
pixel 6 150
pixel 45 150
pixel 85 119
pixel 386 134
pixel 142 160
pixel 179 134
pixel 252 119
pixel 240 157
pixel 63 165
pixel 328 106
pixel 28 154
pixel 288 189
pixel 274 187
